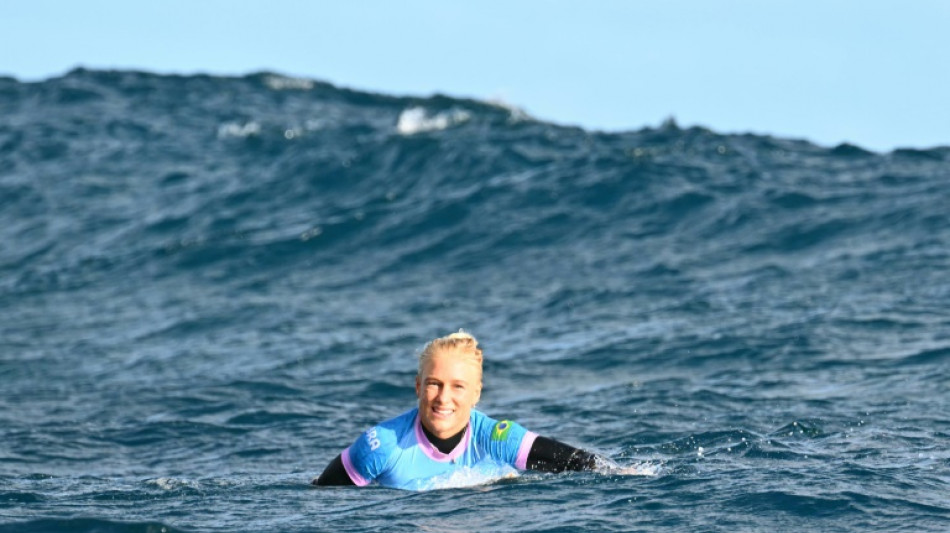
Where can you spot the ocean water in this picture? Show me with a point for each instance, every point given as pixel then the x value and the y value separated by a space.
pixel 210 286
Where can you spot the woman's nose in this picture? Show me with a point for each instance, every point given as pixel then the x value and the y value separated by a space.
pixel 444 394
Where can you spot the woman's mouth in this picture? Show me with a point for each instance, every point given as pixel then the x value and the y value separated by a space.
pixel 442 412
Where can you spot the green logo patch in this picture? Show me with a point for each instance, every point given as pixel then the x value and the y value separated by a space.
pixel 501 430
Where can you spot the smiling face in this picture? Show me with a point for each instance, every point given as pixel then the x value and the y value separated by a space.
pixel 449 385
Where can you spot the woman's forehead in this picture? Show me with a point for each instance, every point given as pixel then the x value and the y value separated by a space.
pixel 452 362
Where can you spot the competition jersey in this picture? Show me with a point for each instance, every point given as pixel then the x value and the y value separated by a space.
pixel 396 453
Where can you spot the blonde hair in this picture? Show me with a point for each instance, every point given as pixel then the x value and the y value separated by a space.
pixel 460 342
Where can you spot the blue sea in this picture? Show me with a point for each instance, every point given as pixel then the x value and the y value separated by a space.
pixel 210 286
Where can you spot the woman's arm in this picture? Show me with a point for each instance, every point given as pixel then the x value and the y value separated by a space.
pixel 334 474
pixel 549 455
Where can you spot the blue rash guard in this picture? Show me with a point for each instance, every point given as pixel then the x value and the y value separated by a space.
pixel 397 454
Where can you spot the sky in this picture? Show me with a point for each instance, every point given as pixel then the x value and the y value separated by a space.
pixel 872 73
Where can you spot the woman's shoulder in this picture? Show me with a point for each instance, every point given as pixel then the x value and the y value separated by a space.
pixel 482 422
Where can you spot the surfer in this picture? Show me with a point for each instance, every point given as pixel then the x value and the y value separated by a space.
pixel 445 433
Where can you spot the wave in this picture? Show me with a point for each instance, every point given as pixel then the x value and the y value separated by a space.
pixel 207 282
pixel 86 525
pixel 177 187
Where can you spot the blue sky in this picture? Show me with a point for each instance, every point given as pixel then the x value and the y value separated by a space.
pixel 873 73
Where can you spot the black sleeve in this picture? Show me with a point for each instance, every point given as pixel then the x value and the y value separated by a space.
pixel 334 474
pixel 549 455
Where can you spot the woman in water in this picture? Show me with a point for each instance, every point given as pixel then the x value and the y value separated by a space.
pixel 445 433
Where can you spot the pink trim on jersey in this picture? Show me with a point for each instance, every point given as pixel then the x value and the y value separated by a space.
pixel 432 452
pixel 351 470
pixel 521 462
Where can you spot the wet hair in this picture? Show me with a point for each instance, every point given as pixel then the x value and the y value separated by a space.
pixel 460 342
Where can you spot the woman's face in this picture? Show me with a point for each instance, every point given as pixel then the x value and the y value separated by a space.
pixel 448 388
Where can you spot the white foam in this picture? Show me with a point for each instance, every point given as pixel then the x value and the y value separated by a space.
pixel 284 83
pixel 636 469
pixel 515 113
pixel 641 469
pixel 469 477
pixel 235 129
pixel 417 119
pixel 167 483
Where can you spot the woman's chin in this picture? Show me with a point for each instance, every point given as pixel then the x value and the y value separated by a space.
pixel 444 429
